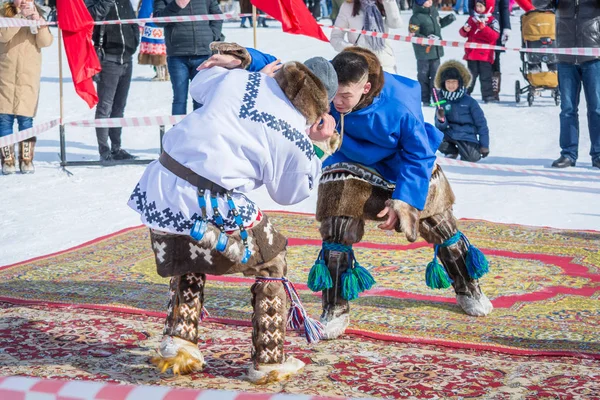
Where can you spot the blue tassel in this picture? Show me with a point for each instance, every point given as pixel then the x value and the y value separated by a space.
pixel 477 264
pixel 363 276
pixel 436 276
pixel 350 287
pixel 319 277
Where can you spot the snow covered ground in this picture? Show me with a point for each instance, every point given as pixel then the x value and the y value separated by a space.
pixel 51 211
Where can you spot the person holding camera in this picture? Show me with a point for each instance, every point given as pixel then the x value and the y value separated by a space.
pixel 115 45
pixel 21 68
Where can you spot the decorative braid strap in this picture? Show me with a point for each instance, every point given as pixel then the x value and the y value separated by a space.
pixel 436 276
pixel 297 315
pixel 355 280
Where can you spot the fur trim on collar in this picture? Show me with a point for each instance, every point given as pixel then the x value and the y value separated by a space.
pixel 375 75
pixel 462 70
pixel 306 92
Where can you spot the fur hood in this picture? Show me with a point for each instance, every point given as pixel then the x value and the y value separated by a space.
pixel 306 92
pixel 375 74
pixel 462 70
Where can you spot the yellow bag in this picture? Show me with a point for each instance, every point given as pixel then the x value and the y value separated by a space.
pixel 546 79
pixel 538 24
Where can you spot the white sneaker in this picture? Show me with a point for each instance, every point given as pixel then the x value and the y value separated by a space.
pixel 335 327
pixel 267 373
pixel 181 356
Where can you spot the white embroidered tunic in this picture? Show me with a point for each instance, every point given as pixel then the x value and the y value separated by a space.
pixel 246 134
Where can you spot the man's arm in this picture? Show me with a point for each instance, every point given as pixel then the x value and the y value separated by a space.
pixel 99 8
pixel 418 157
pixel 215 26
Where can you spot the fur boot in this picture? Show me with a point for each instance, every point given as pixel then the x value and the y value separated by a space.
pixel 26 150
pixel 496 81
pixel 179 348
pixel 269 301
pixel 436 230
pixel 7 155
pixel 336 310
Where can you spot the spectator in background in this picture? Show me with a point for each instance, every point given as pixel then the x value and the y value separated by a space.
pixel 117 44
pixel 335 9
pixel 153 50
pixel 20 72
pixel 502 14
pixel 187 44
pixel 577 25
pixel 426 23
pixel 481 28
pixel 460 118
pixel 246 8
pixel 369 15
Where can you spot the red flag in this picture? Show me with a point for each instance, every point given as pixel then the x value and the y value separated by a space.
pixel 77 27
pixel 293 15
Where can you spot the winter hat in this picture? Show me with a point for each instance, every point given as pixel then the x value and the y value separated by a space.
pixel 451 73
pixel 326 74
pixel 480 1
pixel 306 92
pixel 420 2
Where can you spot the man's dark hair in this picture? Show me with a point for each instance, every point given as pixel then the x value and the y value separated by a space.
pixel 350 67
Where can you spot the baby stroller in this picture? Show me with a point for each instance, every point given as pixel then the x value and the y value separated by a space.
pixel 538 31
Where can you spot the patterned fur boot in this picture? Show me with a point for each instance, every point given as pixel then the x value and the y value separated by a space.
pixel 178 349
pixel 269 363
pixel 26 149
pixel 496 81
pixel 7 155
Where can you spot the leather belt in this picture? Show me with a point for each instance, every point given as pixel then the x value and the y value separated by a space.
pixel 188 175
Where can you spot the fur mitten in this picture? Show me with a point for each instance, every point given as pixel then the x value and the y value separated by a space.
pixel 328 146
pixel 232 49
pixel 408 217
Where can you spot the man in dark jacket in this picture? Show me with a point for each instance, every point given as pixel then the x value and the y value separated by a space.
pixel 187 43
pixel 502 14
pixel 577 25
pixel 116 45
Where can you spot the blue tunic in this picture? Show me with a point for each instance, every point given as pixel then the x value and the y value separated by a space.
pixel 389 136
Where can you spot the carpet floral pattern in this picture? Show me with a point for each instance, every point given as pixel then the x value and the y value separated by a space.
pixel 544 284
pixel 98 345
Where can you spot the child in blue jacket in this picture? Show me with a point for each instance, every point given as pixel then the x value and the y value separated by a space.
pixel 459 116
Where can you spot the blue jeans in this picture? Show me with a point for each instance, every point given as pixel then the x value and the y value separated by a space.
pixel 571 78
pixel 182 70
pixel 8 120
pixel 465 4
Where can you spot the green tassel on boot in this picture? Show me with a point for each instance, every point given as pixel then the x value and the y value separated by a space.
pixel 319 277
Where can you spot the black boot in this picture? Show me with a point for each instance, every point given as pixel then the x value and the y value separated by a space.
pixel 596 163
pixel 563 162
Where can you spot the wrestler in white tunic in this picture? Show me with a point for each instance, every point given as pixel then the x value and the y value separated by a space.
pixel 247 134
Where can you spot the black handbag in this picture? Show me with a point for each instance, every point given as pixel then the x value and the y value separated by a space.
pixel 100 51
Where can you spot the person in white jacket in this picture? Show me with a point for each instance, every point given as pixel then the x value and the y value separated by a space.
pixel 368 15
pixel 252 130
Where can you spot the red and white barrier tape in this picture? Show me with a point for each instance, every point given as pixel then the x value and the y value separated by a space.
pixel 27 133
pixel 495 167
pixel 581 51
pixel 20 388
pixel 127 122
pixel 183 18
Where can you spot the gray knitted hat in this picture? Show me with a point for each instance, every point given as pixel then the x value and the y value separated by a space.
pixel 326 74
